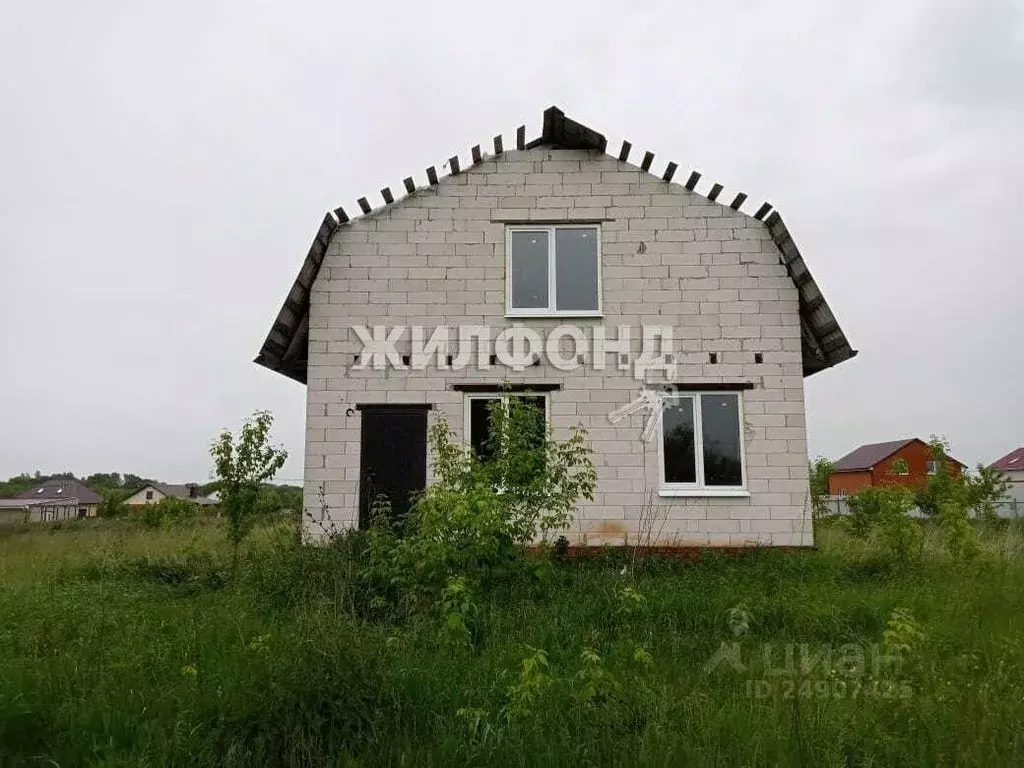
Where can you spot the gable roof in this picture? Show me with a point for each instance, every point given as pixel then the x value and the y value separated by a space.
pixel 1011 462
pixel 823 341
pixel 868 455
pixel 63 488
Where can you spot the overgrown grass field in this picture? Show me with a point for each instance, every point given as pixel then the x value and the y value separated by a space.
pixel 125 646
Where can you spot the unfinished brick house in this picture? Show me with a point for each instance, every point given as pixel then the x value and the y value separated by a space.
pixel 559 233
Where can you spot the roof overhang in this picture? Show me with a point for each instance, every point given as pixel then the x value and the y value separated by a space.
pixel 822 340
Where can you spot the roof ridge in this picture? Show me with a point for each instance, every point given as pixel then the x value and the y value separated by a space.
pixel 558 130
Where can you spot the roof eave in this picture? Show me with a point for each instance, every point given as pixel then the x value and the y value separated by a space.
pixel 285 350
pixel 824 343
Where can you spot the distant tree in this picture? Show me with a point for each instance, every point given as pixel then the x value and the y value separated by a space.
pixel 984 487
pixel 19 484
pixel 112 504
pixel 242 466
pixel 290 497
pixel 820 469
pixel 978 491
pixel 134 482
pixel 99 481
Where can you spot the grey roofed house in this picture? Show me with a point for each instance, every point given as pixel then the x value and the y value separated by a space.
pixel 153 492
pixel 58 498
pixel 62 488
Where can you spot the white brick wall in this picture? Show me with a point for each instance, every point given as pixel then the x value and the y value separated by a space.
pixel 669 257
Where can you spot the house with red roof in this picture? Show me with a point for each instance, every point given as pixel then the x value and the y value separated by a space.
pixel 1012 465
pixel 906 462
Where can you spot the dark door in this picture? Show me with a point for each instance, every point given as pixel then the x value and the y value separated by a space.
pixel 392 458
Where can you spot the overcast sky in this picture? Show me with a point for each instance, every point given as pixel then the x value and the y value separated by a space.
pixel 165 165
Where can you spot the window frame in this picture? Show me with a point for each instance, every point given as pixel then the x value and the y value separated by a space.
pixel 699 488
pixel 467 431
pixel 551 310
pixel 932 466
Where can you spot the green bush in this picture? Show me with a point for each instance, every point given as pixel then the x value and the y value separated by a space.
pixel 475 518
pixel 112 504
pixel 882 512
pixel 976 491
pixel 167 512
pixel 243 466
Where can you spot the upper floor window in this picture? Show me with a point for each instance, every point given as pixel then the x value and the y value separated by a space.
pixel 553 270
pixel 900 467
pixel 933 466
pixel 701 445
pixel 149 495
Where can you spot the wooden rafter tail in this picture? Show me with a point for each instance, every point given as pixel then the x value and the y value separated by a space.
pixel 364 205
pixel 477 156
pixel 410 185
pixel 716 190
pixel 453 163
pixel 738 201
pixel 432 176
pixel 521 137
pixel 624 152
pixel 645 164
pixel 763 210
pixel 670 171
pixel 388 197
pixel 499 146
pixel 692 181
pixel 340 214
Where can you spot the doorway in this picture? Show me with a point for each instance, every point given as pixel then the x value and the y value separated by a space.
pixel 392 458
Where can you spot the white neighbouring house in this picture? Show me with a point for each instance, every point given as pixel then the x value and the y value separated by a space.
pixel 153 493
pixel 559 233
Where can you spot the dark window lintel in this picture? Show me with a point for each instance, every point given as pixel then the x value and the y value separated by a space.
pixel 549 222
pixel 394 406
pixel 506 387
pixel 732 386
